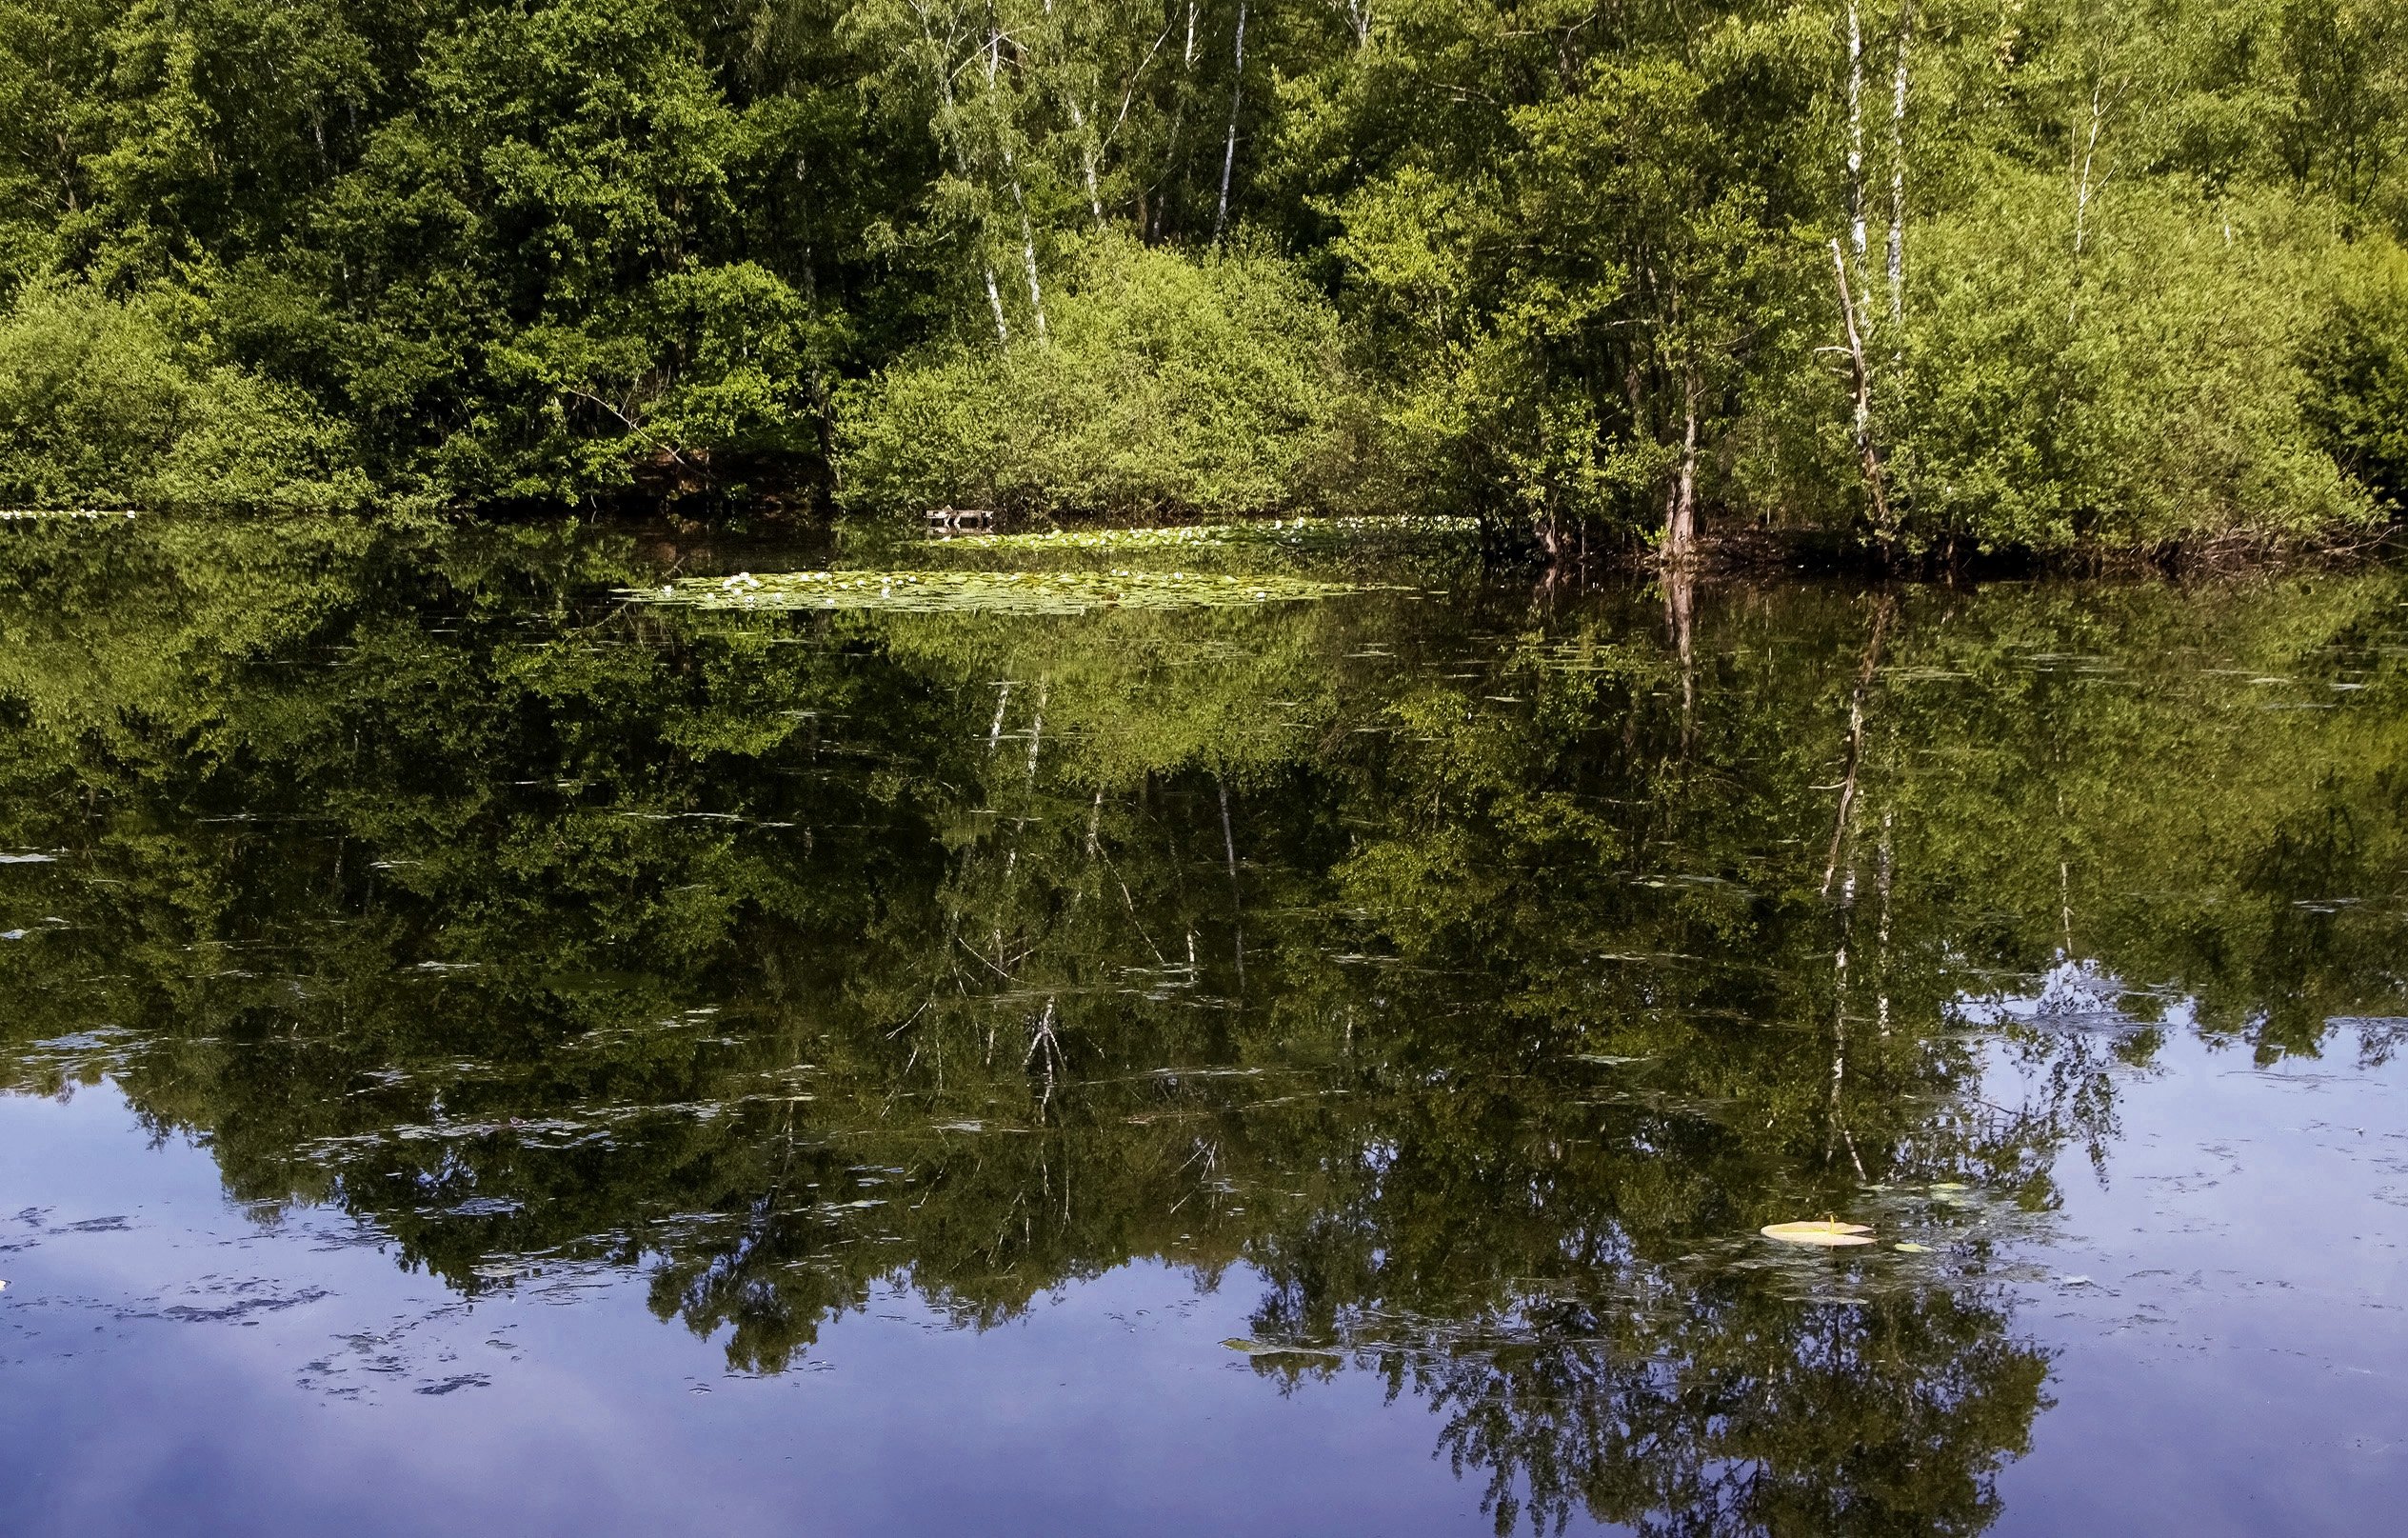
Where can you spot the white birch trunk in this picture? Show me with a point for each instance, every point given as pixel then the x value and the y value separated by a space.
pixel 1178 117
pixel 1135 77
pixel 1028 257
pixel 995 303
pixel 2081 184
pixel 1229 157
pixel 1086 145
pixel 1679 520
pixel 1086 156
pixel 2082 191
pixel 1856 135
pixel 942 59
pixel 1898 176
pixel 1882 1001
pixel 1679 612
pixel 1011 173
pixel 1862 379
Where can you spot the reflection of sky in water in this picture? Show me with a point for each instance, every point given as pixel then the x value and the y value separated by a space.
pixel 2230 1297
pixel 2225 1303
pixel 1113 1403
pixel 2073 992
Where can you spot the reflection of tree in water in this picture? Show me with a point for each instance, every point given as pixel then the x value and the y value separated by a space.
pixel 1482 996
pixel 1741 1414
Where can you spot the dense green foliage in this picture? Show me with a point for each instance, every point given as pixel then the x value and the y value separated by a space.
pixel 2121 274
pixel 98 404
pixel 1472 973
pixel 1211 386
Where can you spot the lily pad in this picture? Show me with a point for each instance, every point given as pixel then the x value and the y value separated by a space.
pixel 1295 533
pixel 1821 1231
pixel 1009 592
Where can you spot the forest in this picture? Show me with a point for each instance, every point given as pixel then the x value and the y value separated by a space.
pixel 1929 278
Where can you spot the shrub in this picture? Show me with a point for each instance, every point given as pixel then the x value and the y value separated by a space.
pixel 99 405
pixel 2148 394
pixel 2358 364
pixel 1167 384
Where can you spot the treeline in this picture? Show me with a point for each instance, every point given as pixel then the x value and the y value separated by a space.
pixel 1935 275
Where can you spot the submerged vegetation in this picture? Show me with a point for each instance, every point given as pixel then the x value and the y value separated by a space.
pixel 1928 276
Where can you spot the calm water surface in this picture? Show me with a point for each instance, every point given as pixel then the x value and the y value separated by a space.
pixel 486 1049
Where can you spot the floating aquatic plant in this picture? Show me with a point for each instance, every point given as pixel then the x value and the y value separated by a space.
pixel 1294 533
pixel 1016 592
pixel 1821 1231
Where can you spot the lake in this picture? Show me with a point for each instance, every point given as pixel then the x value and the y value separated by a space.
pixel 1284 1030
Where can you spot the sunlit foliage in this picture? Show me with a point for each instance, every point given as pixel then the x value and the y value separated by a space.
pixel 1927 276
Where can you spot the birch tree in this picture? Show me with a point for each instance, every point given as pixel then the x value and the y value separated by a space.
pixel 1897 248
pixel 1237 98
pixel 976 60
pixel 922 48
pixel 1856 135
pixel 1006 127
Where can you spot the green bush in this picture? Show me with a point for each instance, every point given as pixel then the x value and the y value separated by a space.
pixel 2147 395
pixel 1166 383
pixel 100 406
pixel 2358 362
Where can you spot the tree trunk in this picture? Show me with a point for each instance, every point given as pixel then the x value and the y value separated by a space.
pixel 1237 892
pixel 995 303
pixel 1177 119
pixel 1028 257
pixel 2090 153
pixel 1856 745
pixel 2099 107
pixel 942 60
pixel 1229 156
pixel 1864 390
pixel 1088 144
pixel 1680 516
pixel 1883 869
pixel 1897 180
pixel 1680 614
pixel 1087 157
pixel 1856 133
pixel 1012 175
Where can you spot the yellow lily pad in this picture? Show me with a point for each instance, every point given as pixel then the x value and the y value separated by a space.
pixel 1821 1231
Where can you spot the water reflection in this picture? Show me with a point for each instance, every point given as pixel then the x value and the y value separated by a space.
pixel 1477 969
